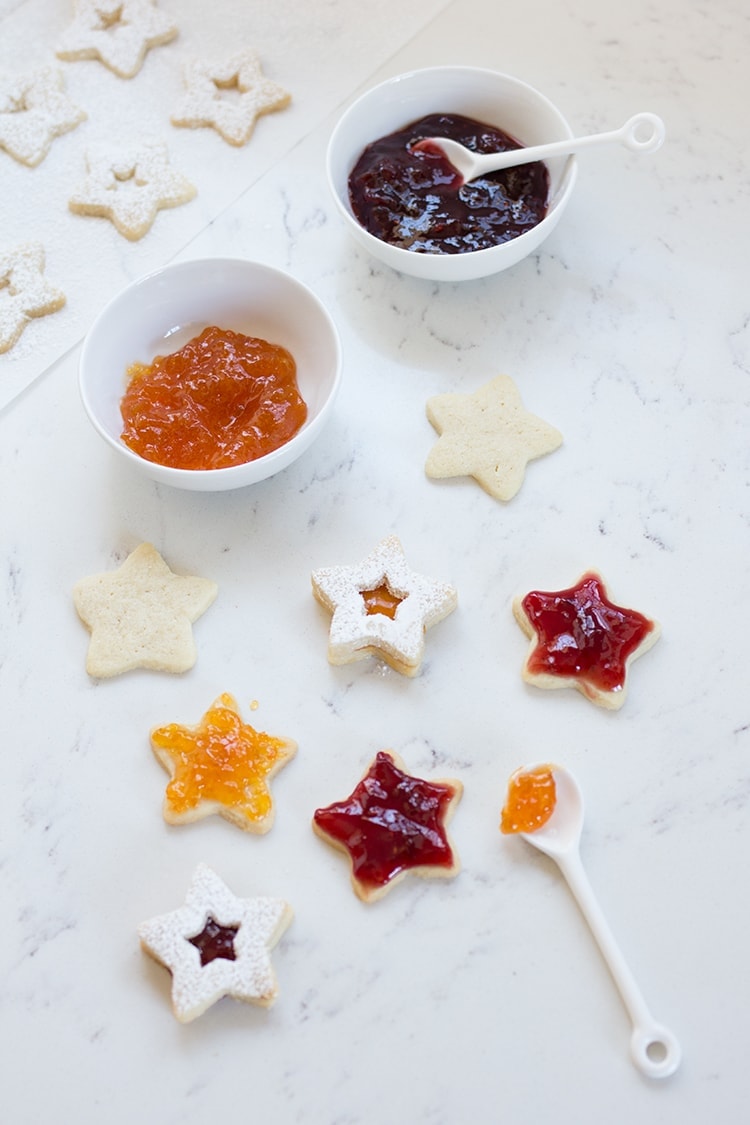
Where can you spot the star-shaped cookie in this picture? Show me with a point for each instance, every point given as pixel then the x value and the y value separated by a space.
pixel 228 96
pixel 217 945
pixel 381 607
pixel 392 824
pixel 128 184
pixel 33 111
pixel 222 766
pixel 24 291
pixel 117 32
pixel 487 435
pixel 581 639
pixel 141 615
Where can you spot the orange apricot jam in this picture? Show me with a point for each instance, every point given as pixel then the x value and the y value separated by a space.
pixel 381 600
pixel 223 399
pixel 530 802
pixel 223 760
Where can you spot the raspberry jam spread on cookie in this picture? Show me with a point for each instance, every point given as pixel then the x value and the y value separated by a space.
pixel 581 633
pixel 221 400
pixel 214 941
pixel 392 822
pixel 415 199
pixel 530 801
pixel 381 600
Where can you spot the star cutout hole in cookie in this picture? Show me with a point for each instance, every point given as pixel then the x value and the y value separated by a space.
pixel 580 638
pixel 217 945
pixel 381 607
pixel 487 435
pixel 118 33
pixel 391 825
pixel 33 112
pixel 141 615
pixel 228 96
pixel 25 293
pixel 223 765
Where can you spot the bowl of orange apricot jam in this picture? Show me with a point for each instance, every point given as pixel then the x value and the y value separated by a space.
pixel 211 374
pixel 406 205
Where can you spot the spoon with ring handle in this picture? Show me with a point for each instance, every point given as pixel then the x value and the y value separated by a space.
pixel 653 1048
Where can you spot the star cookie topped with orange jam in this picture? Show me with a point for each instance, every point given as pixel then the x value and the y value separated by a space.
pixel 222 766
pixel 581 639
pixel 392 824
pixel 381 607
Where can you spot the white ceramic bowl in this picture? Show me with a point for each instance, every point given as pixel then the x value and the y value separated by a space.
pixel 496 99
pixel 162 311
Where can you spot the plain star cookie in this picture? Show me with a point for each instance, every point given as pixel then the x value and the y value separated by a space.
pixel 117 32
pixel 381 607
pixel 217 945
pixel 392 825
pixel 25 294
pixel 128 184
pixel 141 615
pixel 581 639
pixel 33 111
pixel 487 435
pixel 228 96
pixel 222 766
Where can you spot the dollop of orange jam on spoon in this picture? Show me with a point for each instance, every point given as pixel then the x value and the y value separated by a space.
pixel 221 400
pixel 530 801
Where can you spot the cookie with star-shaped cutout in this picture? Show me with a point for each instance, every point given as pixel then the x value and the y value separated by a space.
pixel 141 615
pixel 217 945
pixel 223 766
pixel 381 607
pixel 228 96
pixel 391 825
pixel 118 33
pixel 487 435
pixel 34 110
pixel 580 638
pixel 128 184
pixel 28 294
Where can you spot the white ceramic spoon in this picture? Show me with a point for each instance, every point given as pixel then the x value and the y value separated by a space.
pixel 643 133
pixel 653 1048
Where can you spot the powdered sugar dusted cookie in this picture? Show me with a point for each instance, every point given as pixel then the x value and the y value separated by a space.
pixel 117 32
pixel 581 639
pixel 392 825
pixel 33 111
pixel 128 184
pixel 487 435
pixel 228 95
pixel 217 945
pixel 141 615
pixel 24 291
pixel 222 766
pixel 381 607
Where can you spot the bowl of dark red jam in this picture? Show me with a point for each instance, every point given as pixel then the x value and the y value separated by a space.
pixel 407 207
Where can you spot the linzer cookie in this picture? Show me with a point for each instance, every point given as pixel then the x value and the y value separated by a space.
pixel 487 435
pixel 141 615
pixel 392 825
pixel 27 293
pixel 223 766
pixel 581 639
pixel 217 945
pixel 381 607
pixel 128 184
pixel 116 32
pixel 228 95
pixel 33 111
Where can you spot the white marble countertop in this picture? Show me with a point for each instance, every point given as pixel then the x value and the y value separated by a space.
pixel 481 998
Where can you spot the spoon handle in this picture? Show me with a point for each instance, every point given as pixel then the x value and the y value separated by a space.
pixel 653 1048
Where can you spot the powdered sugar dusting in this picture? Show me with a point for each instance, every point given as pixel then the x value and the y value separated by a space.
pixel 117 32
pixel 33 111
pixel 24 291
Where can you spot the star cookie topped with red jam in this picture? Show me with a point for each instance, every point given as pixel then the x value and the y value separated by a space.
pixel 392 824
pixel 581 639
pixel 217 945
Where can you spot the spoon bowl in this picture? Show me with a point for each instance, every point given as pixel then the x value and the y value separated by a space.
pixel 653 1047
pixel 642 133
